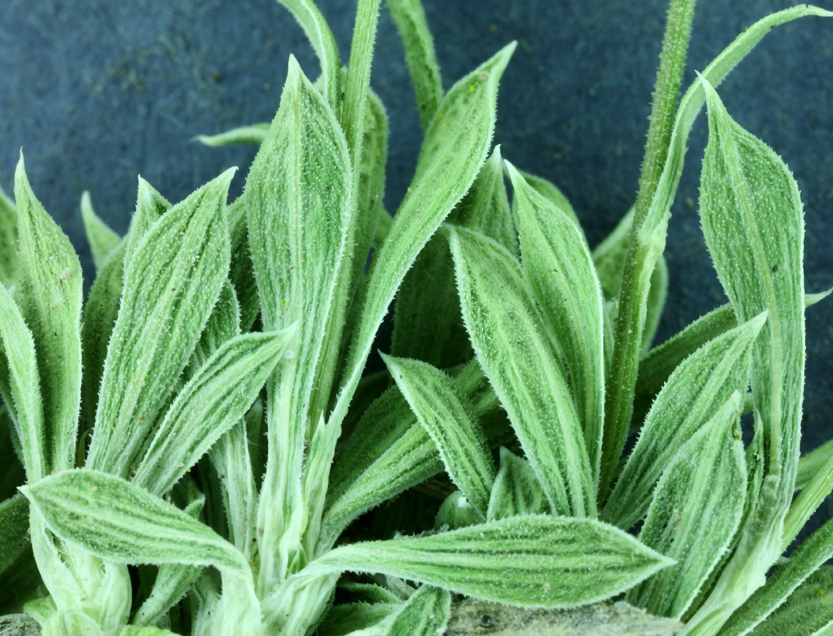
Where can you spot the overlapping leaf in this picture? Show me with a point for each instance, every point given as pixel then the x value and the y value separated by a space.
pixel 516 351
pixel 100 236
pixel 9 260
pixel 516 490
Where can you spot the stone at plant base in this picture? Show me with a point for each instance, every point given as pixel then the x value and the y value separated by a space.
pixel 473 617
pixel 18 625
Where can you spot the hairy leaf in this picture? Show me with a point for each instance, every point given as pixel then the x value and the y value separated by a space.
pixel 560 272
pixel 14 527
pixel 253 134
pixel 516 490
pixel 171 286
pixel 50 301
pixel 692 395
pixel 9 260
pixel 550 192
pixel 424 614
pixel 807 611
pixel 445 414
pixel 515 349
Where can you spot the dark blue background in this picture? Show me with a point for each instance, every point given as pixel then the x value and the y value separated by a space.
pixel 97 92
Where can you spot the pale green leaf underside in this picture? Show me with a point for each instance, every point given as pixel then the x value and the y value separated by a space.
pixel 445 414
pixel 702 487
pixel 695 391
pixel 512 345
pixel 560 272
pixel 533 561
pixel 171 286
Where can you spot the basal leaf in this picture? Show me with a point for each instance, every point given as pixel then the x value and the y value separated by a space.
pixel 150 206
pixel 807 502
pixel 516 490
pixel 218 395
pixel 690 398
pixel 21 388
pixel 171 285
pixel 254 134
pixel 455 147
pixel 299 201
pixel 445 414
pixel 807 611
pixel 9 260
pixel 101 238
pixel 424 614
pixel 699 489
pixel 753 222
pixel 811 463
pixel 457 512
pixel 515 349
pixel 560 272
pixel 550 192
pixel 240 268
pixel 13 474
pixel 532 561
pixel 50 301
pixel 409 17
pixel 346 619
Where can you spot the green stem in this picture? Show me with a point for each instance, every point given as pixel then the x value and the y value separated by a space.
pixel 633 298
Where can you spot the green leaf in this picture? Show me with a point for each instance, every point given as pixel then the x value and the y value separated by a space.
pixel 811 497
pixel 323 43
pixel 347 619
pixel 13 474
pixel 240 268
pixel 118 521
pixel 50 302
pixel 805 560
pixel 101 238
pixel 427 321
pixel 457 512
pixel 550 192
pixel 699 488
pixel 693 394
pixel 177 271
pixel 254 134
pixel 515 348
pixel 445 414
pixel 21 387
pixel 558 266
pixel 753 222
pixel 455 147
pixel 14 527
pixel 368 593
pixel 652 233
pixel 424 614
pixel 9 260
pixel 136 630
pixel 150 206
pixel 532 561
pixel 298 201
pixel 216 398
pixel 516 490
pixel 100 314
pixel 807 611
pixel 813 462
pixel 409 17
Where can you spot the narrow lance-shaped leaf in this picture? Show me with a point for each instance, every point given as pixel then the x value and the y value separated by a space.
pixel 560 271
pixel 651 237
pixel 698 489
pixel 807 612
pixel 14 528
pixel 532 561
pixel 21 389
pixel 150 206
pixel 516 490
pixel 100 236
pixel 253 134
pixel 693 394
pixel 298 202
pixel 318 32
pixel 409 17
pixel 456 145
pixel 811 463
pixel 217 397
pixel 515 349
pixel 51 296
pixel 550 192
pixel 442 410
pixel 171 286
pixel 9 260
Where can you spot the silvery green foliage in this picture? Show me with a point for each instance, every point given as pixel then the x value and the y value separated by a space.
pixel 163 424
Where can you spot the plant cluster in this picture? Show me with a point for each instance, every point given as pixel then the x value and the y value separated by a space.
pixel 199 445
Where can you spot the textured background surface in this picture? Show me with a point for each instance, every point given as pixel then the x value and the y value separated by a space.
pixel 97 92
